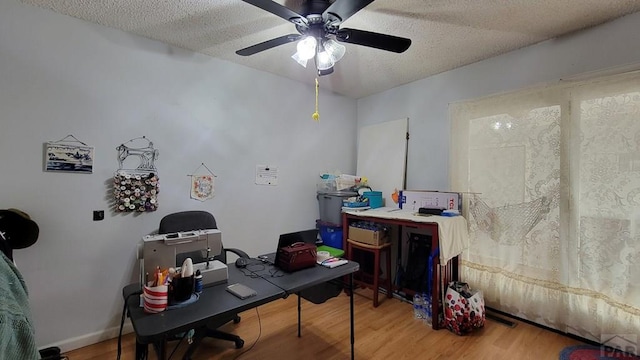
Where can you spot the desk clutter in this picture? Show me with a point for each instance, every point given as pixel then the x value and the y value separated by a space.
pixel 339 182
pixel 325 259
pixel 297 256
pixel 171 287
pixel 241 291
pixel 166 287
pixel 330 257
pixel 366 199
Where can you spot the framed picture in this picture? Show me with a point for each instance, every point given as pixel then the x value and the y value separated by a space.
pixel 68 158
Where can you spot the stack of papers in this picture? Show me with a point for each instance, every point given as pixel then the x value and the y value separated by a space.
pixel 333 262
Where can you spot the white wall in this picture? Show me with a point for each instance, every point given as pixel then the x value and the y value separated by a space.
pixel 425 102
pixel 60 75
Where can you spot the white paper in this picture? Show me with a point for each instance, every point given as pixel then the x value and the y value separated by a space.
pixel 266 175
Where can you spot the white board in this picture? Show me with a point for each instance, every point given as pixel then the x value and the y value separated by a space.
pixel 382 153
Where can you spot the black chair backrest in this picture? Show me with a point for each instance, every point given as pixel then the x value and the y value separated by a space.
pixel 189 221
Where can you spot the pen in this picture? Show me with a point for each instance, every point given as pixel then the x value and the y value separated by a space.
pixel 158 277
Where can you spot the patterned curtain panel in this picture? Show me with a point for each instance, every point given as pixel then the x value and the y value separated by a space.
pixel 552 184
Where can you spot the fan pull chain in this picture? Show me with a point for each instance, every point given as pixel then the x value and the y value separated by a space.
pixel 316 115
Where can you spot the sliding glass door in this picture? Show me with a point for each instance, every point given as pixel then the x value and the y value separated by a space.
pixel 551 178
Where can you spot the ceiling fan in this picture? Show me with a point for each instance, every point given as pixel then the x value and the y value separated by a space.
pixel 318 25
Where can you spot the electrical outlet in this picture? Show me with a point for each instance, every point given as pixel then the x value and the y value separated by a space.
pixel 98 215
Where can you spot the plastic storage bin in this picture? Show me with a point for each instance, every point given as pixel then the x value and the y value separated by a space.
pixel 330 203
pixel 331 236
pixel 375 198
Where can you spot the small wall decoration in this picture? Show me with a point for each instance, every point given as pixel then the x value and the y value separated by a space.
pixel 202 186
pixel 266 175
pixel 135 192
pixel 137 189
pixel 69 155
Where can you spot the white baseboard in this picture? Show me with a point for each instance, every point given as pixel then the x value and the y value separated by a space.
pixel 90 339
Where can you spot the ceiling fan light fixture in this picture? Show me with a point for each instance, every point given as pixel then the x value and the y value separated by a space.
pixel 324 60
pixel 299 59
pixel 335 49
pixel 307 48
pixel 319 33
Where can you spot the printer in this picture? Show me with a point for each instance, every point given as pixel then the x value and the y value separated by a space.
pixel 169 250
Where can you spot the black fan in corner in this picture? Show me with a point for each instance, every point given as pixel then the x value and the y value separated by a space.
pixel 319 28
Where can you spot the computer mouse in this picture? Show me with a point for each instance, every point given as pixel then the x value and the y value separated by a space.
pixel 242 262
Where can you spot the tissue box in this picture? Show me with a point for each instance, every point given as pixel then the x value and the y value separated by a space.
pixel 371 237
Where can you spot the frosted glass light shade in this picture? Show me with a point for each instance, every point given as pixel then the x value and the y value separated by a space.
pixel 299 59
pixel 324 61
pixel 335 49
pixel 307 48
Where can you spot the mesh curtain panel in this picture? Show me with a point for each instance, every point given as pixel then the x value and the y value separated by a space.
pixel 552 177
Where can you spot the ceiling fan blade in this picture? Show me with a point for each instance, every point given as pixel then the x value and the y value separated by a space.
pixel 279 10
pixel 254 49
pixel 374 40
pixel 345 8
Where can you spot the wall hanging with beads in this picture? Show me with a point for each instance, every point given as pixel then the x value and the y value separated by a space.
pixel 136 189
pixel 202 185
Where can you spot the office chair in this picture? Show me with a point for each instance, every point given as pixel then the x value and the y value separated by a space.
pixel 201 220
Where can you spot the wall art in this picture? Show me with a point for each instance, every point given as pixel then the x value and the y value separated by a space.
pixel 69 155
pixel 202 186
pixel 136 189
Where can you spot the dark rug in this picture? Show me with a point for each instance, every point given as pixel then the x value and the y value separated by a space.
pixel 591 352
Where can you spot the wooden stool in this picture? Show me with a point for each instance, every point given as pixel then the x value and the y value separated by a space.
pixel 376 250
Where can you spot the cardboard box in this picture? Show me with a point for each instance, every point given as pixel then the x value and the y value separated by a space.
pixel 415 199
pixel 371 237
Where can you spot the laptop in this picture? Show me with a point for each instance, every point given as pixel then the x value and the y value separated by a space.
pixel 306 236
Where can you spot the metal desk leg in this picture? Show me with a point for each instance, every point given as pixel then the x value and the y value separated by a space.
pixel 160 348
pixel 299 311
pixel 142 351
pixel 353 337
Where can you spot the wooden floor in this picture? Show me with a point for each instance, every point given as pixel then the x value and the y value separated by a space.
pixel 386 332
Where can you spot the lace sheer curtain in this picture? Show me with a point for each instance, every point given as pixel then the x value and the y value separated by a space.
pixel 552 184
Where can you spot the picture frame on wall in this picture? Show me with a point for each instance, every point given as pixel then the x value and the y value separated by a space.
pixel 68 157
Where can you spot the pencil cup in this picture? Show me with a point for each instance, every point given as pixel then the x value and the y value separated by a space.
pixel 155 298
pixel 181 289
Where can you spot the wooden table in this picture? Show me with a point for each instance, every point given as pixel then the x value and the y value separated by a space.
pixel 407 218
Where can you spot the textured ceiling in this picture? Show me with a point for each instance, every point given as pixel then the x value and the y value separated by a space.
pixel 445 34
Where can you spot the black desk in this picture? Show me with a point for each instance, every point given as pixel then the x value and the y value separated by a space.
pixel 303 279
pixel 294 283
pixel 215 302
